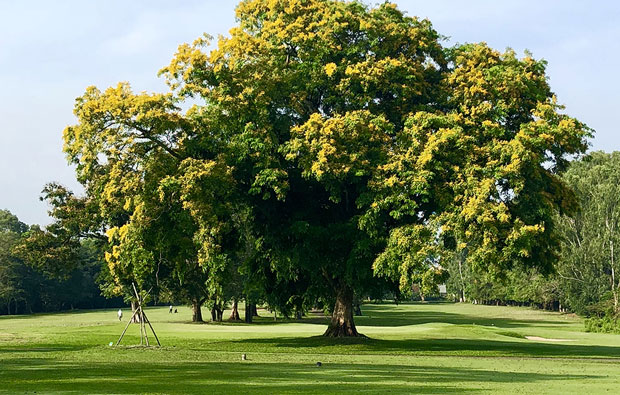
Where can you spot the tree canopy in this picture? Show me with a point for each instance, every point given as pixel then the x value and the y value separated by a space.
pixel 40 273
pixel 331 148
pixel 590 269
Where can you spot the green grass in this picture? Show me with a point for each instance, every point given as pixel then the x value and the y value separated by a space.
pixel 412 348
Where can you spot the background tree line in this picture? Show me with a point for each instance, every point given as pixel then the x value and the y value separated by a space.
pixel 26 289
pixel 585 279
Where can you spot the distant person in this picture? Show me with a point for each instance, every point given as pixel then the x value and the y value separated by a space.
pixel 170 311
pixel 120 314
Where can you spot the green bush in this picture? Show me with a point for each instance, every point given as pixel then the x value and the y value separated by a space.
pixel 605 324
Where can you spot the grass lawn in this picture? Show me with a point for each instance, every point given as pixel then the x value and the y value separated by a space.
pixel 412 348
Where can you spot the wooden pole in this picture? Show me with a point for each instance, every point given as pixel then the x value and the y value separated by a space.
pixel 152 330
pixel 127 326
pixel 141 333
pixel 140 315
pixel 146 337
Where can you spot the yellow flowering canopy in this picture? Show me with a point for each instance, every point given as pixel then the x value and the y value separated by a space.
pixel 352 141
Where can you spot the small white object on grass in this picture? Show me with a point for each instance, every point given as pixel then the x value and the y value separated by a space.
pixel 244 357
pixel 111 344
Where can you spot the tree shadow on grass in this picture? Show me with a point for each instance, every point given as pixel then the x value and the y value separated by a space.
pixel 386 318
pixel 24 375
pixel 376 315
pixel 263 320
pixel 380 316
pixel 386 315
pixel 42 348
pixel 455 347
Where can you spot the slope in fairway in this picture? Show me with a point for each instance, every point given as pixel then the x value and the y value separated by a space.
pixel 421 348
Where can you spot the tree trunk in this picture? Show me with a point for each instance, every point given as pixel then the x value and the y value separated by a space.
pixel 462 290
pixel 136 317
pixel 254 310
pixel 216 314
pixel 196 311
pixel 342 324
pixel 248 312
pixel 614 290
pixel 358 310
pixel 234 314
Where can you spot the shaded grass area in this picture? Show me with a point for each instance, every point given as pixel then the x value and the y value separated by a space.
pixel 413 348
pixel 264 377
pixel 463 347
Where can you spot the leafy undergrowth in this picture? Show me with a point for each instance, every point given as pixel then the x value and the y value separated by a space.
pixel 427 348
pixel 604 324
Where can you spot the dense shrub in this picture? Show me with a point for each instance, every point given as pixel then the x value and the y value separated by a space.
pixel 605 324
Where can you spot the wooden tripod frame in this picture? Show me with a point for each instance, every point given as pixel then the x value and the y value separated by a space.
pixel 143 319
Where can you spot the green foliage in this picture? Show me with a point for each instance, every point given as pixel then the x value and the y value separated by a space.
pixel 485 170
pixel 589 268
pixel 585 279
pixel 11 267
pixel 48 252
pixel 329 144
pixel 605 324
pixel 34 275
pixel 10 223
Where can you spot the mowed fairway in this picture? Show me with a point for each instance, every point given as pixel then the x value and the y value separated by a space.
pixel 413 348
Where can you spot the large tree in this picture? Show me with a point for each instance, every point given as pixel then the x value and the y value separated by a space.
pixel 336 139
pixel 308 94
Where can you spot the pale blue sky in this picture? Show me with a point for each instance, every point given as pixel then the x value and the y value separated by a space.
pixel 51 51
